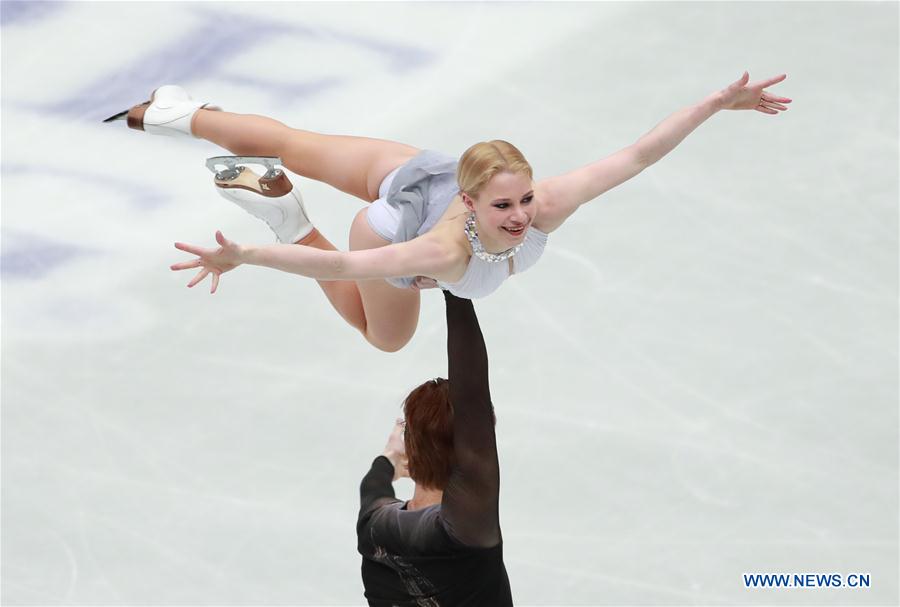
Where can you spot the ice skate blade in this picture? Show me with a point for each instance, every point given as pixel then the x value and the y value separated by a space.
pixel 232 164
pixel 120 116
pixel 134 116
pixel 130 113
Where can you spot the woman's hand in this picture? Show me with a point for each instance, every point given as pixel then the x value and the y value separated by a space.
pixel 740 95
pixel 395 450
pixel 423 282
pixel 212 261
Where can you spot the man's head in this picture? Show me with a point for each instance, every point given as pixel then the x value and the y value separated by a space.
pixel 429 433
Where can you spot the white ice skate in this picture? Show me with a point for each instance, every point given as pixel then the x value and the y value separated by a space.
pixel 168 112
pixel 270 197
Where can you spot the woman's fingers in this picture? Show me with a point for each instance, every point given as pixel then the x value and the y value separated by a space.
pixel 764 110
pixel 204 262
pixel 769 97
pixel 764 83
pixel 189 248
pixel 772 105
pixel 200 276
pixel 220 238
pixel 187 265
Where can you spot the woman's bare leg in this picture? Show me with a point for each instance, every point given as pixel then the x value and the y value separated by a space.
pixel 391 314
pixel 356 165
pixel 385 315
pixel 342 294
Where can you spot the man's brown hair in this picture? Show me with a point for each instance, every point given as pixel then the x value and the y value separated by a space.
pixel 429 433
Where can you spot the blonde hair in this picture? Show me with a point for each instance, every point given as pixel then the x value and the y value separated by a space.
pixel 485 159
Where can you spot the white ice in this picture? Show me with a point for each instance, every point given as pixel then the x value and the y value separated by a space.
pixel 699 380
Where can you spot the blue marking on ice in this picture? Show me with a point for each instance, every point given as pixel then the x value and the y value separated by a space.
pixel 286 91
pixel 26 256
pixel 23 12
pixel 198 53
pixel 131 191
pixel 204 52
pixel 401 58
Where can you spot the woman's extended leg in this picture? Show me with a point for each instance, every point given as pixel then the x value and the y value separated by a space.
pixel 355 165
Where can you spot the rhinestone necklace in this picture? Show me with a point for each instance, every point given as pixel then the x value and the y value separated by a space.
pixel 478 248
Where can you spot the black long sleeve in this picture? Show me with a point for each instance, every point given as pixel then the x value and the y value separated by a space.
pixel 377 486
pixel 471 499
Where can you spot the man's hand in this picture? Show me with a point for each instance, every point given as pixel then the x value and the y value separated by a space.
pixel 395 450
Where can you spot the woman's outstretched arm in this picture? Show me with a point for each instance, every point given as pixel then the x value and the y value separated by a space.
pixel 422 256
pixel 561 196
pixel 470 504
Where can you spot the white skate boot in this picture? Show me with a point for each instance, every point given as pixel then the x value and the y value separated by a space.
pixel 169 112
pixel 270 197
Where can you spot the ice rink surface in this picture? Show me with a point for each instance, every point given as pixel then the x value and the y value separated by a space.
pixel 699 380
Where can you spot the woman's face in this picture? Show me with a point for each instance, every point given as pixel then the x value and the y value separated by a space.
pixel 504 210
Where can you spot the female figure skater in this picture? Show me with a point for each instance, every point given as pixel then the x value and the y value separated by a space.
pixel 444 546
pixel 466 225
